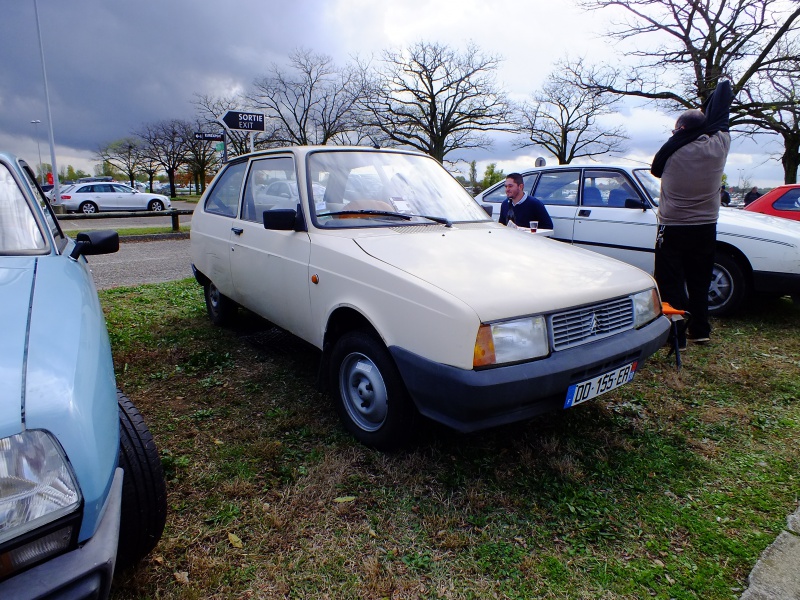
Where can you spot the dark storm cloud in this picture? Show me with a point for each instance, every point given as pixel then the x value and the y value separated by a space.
pixel 113 65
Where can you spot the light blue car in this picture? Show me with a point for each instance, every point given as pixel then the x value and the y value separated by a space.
pixel 81 485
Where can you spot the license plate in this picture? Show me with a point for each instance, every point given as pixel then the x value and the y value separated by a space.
pixel 591 388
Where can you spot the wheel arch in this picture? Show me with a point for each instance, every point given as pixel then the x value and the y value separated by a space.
pixel 341 321
pixel 740 258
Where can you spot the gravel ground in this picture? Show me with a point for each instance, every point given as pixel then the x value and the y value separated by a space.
pixel 140 261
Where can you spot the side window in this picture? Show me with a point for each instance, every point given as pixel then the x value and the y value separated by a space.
pixel 224 198
pixel 528 181
pixel 789 201
pixel 19 231
pixel 272 183
pixel 105 188
pixel 607 188
pixel 558 187
pixel 495 198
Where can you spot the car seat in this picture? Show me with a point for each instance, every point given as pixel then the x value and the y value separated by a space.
pixel 592 196
pixel 617 197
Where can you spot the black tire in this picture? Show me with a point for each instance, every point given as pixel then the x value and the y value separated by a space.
pixel 369 394
pixel 144 491
pixel 88 208
pixel 729 287
pixel 155 206
pixel 221 309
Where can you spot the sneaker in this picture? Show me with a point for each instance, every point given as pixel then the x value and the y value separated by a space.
pixel 698 339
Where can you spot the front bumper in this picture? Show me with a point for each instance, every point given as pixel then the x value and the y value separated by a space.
pixel 472 400
pixel 83 573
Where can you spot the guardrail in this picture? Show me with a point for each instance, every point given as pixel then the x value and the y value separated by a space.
pixel 173 214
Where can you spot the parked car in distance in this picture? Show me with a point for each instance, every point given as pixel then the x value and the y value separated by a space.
pixel 418 301
pixel 783 201
pixel 81 485
pixel 94 197
pixel 612 209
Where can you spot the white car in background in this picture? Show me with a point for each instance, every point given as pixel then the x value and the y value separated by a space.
pixel 96 196
pixel 612 209
pixel 417 300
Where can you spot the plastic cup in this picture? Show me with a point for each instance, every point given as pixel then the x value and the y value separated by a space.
pixel 534 226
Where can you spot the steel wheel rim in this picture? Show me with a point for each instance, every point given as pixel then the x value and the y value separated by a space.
pixel 363 391
pixel 213 297
pixel 721 288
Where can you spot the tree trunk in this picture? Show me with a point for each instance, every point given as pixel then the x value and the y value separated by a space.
pixel 791 157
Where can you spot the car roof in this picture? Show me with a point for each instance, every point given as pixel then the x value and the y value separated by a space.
pixel 302 151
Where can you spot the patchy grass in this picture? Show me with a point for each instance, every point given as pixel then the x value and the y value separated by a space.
pixel 669 487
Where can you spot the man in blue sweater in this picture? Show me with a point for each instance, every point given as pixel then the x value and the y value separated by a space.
pixel 521 209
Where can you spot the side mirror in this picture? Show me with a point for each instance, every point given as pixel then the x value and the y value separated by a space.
pixel 635 203
pixel 95 242
pixel 283 219
pixel 489 208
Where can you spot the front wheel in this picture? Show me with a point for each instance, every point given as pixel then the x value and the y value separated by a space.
pixel 369 394
pixel 728 286
pixel 221 309
pixel 88 208
pixel 156 206
pixel 144 491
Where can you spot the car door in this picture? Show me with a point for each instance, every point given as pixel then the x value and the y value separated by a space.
pixel 105 196
pixel 212 234
pixel 124 197
pixel 558 189
pixel 270 268
pixel 615 219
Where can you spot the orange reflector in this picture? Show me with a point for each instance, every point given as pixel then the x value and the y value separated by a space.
pixel 484 348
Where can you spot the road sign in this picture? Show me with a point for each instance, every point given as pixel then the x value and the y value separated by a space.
pixel 208 137
pixel 243 120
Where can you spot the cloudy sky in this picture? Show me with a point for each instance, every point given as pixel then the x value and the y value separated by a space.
pixel 113 65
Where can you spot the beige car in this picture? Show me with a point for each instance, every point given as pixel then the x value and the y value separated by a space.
pixel 419 302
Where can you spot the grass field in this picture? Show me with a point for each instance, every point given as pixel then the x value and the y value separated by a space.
pixel 669 487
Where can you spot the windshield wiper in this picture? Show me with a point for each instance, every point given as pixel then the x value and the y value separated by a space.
pixel 387 213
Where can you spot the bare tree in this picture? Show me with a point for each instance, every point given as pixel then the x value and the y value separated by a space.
pixel 312 103
pixel 562 118
pixel 435 99
pixel 695 43
pixel 775 102
pixel 124 155
pixel 201 157
pixel 165 143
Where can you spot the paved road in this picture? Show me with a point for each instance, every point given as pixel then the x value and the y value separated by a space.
pixel 142 262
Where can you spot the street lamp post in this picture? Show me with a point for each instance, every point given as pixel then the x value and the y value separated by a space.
pixel 38 148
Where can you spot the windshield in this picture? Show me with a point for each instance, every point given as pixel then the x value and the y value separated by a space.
pixel 368 189
pixel 19 232
pixel 650 183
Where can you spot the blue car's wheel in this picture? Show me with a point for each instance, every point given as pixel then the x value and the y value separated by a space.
pixel 144 492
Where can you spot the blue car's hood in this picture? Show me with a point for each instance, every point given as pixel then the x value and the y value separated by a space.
pixel 16 285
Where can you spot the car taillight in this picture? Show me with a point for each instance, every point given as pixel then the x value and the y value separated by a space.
pixel 65 197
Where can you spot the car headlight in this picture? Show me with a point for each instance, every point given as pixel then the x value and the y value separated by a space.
pixel 38 491
pixel 511 341
pixel 646 307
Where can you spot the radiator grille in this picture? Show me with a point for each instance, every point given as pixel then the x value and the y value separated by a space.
pixel 591 323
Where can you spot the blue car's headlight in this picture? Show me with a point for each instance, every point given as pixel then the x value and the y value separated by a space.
pixel 38 493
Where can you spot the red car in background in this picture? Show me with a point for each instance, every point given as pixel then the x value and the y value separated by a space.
pixel 783 201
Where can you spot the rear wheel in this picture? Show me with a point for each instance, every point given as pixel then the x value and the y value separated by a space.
pixel 728 286
pixel 88 208
pixel 221 309
pixel 155 205
pixel 370 396
pixel 144 491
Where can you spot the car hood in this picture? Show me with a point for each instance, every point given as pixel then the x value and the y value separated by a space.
pixel 758 225
pixel 16 285
pixel 503 273
pixel 55 353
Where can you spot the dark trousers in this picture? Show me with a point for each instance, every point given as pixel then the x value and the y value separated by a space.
pixel 683 270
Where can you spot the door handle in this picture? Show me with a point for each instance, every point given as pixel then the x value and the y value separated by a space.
pixel 237 230
pixel 584 212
